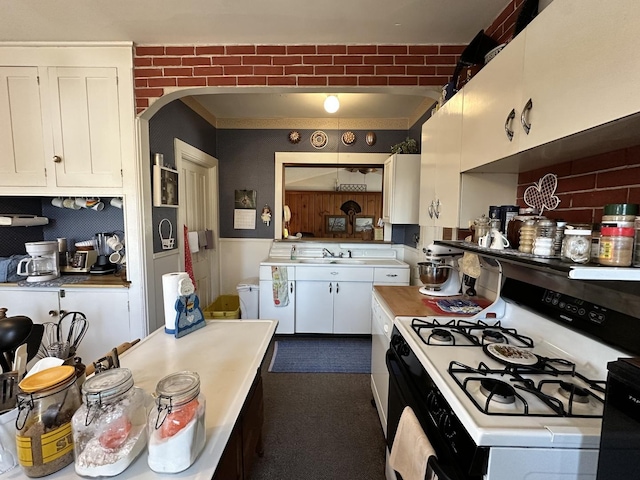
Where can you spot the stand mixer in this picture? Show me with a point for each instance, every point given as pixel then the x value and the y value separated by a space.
pixel 439 272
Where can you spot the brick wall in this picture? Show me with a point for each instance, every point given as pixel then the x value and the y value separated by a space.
pixel 587 184
pixel 159 67
pixel 502 27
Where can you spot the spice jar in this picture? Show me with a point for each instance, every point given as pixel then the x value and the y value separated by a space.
pixel 545 237
pixel 109 429
pixel 46 404
pixel 527 235
pixel 480 228
pixel 636 244
pixel 514 226
pixel 576 245
pixel 176 426
pixel 616 246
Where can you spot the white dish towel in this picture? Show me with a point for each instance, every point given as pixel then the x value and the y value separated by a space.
pixel 280 286
pixel 411 448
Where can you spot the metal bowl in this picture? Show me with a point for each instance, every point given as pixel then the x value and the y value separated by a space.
pixel 433 275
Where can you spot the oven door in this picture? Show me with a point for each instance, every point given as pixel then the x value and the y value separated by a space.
pixel 402 394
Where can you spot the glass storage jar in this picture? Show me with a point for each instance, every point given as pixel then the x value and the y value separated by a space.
pixel 545 237
pixel 616 246
pixel 177 425
pixel 109 429
pixel 527 234
pixel 636 244
pixel 576 245
pixel 46 404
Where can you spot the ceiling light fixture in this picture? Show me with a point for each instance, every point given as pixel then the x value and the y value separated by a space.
pixel 331 104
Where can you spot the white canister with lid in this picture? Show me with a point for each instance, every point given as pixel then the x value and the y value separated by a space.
pixel 177 425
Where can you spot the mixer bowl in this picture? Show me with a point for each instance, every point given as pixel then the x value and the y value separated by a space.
pixel 433 275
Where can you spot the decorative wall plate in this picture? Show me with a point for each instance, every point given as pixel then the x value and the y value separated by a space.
pixel 348 138
pixel 370 138
pixel 319 139
pixel 294 137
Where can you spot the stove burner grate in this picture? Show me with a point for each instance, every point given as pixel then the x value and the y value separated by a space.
pixel 506 390
pixel 432 332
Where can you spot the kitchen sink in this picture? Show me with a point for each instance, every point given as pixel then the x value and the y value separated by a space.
pixel 332 261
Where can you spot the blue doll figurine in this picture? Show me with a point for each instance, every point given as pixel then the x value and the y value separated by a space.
pixel 189 317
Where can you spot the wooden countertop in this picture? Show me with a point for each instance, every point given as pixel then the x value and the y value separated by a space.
pixel 408 302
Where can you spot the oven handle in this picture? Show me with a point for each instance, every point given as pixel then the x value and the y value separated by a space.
pixel 440 472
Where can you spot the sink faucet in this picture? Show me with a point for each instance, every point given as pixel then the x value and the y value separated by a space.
pixel 327 253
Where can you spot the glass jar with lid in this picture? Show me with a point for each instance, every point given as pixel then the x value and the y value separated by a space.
pixel 480 228
pixel 527 235
pixel 177 425
pixel 545 237
pixel 616 246
pixel 576 245
pixel 109 429
pixel 46 404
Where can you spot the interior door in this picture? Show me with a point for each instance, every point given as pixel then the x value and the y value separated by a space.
pixel 198 200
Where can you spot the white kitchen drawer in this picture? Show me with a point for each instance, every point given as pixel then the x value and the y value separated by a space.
pixel 265 272
pixel 383 276
pixel 332 273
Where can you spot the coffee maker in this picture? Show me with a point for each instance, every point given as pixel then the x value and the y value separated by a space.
pixel 43 264
pixel 102 266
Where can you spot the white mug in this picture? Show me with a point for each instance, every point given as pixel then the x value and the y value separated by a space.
pixel 81 202
pixel 485 240
pixel 114 243
pixel 115 257
pixel 58 202
pixel 97 206
pixel 70 203
pixel 116 202
pixel 499 242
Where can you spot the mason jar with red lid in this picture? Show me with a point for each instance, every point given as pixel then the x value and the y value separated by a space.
pixel 616 246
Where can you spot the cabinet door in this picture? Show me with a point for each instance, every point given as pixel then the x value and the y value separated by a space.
pixel 22 151
pixel 107 312
pixel 86 126
pixel 39 305
pixel 352 307
pixel 284 315
pixel 587 75
pixel 387 188
pixel 314 306
pixel 447 175
pixel 492 104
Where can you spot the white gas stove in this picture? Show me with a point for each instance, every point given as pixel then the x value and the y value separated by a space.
pixel 514 396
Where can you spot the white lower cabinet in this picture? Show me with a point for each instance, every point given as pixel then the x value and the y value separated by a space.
pixel 268 310
pixel 333 300
pixel 107 311
pixel 286 315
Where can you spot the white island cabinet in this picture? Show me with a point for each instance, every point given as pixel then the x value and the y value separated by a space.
pixel 227 355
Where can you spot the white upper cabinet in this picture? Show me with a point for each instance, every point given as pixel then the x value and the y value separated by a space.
pixel 22 143
pixel 440 165
pixel 85 122
pixel 571 69
pixel 492 108
pixel 580 68
pixel 66 119
pixel 401 189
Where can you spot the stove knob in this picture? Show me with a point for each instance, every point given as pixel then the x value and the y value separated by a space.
pixel 447 428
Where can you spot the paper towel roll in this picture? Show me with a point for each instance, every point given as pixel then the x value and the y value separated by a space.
pixel 169 296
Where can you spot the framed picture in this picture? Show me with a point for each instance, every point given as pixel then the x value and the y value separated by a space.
pixel 335 224
pixel 245 199
pixel 165 187
pixel 362 222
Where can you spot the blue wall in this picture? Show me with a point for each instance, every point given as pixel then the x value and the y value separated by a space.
pixel 246 161
pixel 176 120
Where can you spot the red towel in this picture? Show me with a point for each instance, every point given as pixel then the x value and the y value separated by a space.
pixel 188 263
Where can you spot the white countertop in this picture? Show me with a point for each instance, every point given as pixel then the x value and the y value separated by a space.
pixel 333 262
pixel 226 354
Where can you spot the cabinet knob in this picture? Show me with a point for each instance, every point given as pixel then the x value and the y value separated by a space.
pixel 391 275
pixel 57 159
pixel 53 313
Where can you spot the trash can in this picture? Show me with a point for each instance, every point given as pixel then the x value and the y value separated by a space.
pixel 249 293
